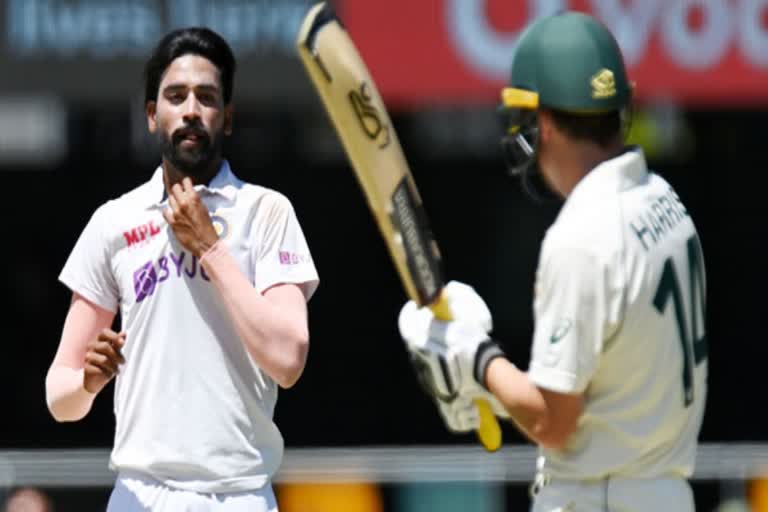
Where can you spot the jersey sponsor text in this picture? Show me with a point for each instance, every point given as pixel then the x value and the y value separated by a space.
pixel 140 233
pixel 151 274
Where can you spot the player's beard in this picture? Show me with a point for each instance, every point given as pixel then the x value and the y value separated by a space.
pixel 195 162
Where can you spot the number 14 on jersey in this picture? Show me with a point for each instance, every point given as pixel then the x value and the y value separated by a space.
pixel 693 341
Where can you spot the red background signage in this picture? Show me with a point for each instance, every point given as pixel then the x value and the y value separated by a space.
pixel 698 52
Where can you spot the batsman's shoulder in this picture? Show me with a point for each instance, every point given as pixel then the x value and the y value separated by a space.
pixel 590 229
pixel 592 233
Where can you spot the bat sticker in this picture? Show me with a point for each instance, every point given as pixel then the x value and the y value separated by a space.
pixel 366 113
pixel 421 252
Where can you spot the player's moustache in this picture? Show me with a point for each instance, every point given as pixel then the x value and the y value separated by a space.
pixel 186 131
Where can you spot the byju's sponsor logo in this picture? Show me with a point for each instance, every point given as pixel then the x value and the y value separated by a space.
pixel 141 233
pixel 292 258
pixel 145 281
pixel 149 276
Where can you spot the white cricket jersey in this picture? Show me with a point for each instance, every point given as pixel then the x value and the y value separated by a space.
pixel 619 317
pixel 192 408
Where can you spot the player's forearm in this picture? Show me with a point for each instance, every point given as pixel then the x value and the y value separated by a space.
pixel 277 340
pixel 65 392
pixel 526 405
pixel 65 395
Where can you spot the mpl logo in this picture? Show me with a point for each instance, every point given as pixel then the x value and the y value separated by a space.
pixel 141 233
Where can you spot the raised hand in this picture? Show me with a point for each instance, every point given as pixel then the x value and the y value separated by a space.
pixel 189 218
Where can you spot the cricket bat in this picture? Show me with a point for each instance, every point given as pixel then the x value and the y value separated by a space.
pixel 356 110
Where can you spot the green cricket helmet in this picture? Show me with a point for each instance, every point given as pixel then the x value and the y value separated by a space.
pixel 568 62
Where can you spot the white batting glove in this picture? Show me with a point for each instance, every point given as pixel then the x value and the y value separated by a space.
pixel 451 357
pixel 458 411
pixel 460 415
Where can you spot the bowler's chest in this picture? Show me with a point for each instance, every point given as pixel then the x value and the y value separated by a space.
pixel 147 258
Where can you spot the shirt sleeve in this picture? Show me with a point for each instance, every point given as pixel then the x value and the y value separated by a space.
pixel 88 270
pixel 572 311
pixel 282 254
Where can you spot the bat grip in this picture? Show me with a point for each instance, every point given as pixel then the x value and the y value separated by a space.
pixel 489 432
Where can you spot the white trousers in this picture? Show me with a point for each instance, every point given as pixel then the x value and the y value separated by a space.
pixel 136 493
pixel 615 495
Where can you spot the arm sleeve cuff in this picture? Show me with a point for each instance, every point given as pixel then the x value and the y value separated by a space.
pixel 554 379
pixel 487 351
pixel 100 299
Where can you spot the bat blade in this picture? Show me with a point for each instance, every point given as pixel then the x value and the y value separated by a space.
pixel 358 114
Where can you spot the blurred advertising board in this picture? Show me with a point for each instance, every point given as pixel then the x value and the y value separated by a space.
pixel 710 52
pixel 94 50
pixel 696 52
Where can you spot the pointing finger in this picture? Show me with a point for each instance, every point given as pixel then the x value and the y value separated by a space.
pixel 177 192
pixel 173 203
pixel 168 215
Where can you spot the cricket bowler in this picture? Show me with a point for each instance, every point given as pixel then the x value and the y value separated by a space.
pixel 615 390
pixel 211 276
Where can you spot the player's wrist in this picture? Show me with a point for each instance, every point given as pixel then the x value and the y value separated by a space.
pixel 207 250
pixel 487 351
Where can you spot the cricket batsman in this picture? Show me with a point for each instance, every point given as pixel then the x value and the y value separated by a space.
pixel 211 276
pixel 615 389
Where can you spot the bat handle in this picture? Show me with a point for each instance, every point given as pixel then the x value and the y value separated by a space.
pixel 489 432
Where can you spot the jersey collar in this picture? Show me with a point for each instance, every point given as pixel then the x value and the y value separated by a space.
pixel 620 173
pixel 225 184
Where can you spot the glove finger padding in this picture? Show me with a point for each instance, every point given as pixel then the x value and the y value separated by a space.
pixel 466 305
pixel 413 324
pixel 434 375
pixel 461 415
pixel 459 412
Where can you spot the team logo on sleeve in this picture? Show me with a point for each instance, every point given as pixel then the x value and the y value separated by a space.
pixel 561 331
pixel 221 225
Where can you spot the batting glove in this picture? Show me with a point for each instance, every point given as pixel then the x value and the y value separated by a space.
pixel 460 415
pixel 451 358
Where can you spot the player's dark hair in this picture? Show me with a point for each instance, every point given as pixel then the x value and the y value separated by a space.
pixel 602 128
pixel 195 40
